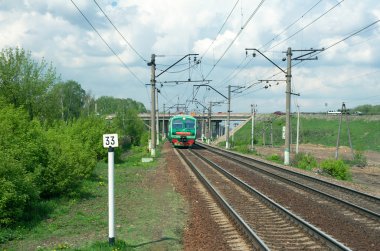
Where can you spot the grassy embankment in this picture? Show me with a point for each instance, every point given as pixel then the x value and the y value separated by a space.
pixel 365 133
pixel 144 219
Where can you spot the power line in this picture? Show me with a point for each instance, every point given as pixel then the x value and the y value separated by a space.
pixel 353 34
pixel 221 28
pixel 109 47
pixel 130 45
pixel 334 44
pixel 236 71
pixel 289 26
pixel 303 28
pixel 237 35
pixel 344 39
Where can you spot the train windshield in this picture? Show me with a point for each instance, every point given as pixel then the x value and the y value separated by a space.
pixel 177 124
pixel 189 124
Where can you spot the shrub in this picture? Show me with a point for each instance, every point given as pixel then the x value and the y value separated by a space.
pixel 90 130
pixel 22 153
pixel 16 189
pixel 275 158
pixel 70 161
pixel 360 160
pixel 304 161
pixel 242 149
pixel 336 168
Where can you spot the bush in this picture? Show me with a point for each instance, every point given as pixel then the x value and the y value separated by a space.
pixel 336 168
pixel 275 158
pixel 17 189
pixel 360 160
pixel 90 130
pixel 242 149
pixel 304 161
pixel 22 153
pixel 70 161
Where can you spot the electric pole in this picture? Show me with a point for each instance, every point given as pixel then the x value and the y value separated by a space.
pixel 298 127
pixel 209 124
pixel 252 121
pixel 163 122
pixel 157 120
pixel 203 125
pixel 288 93
pixel 288 74
pixel 228 118
pixel 152 64
pixel 343 110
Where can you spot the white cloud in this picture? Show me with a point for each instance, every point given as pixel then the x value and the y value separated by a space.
pixel 56 31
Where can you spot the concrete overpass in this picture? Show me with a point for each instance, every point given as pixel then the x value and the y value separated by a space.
pixel 219 116
pixel 216 118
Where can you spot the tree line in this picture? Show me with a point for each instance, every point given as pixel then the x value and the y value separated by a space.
pixel 51 133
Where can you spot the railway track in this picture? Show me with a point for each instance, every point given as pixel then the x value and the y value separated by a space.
pixel 350 216
pixel 362 203
pixel 267 225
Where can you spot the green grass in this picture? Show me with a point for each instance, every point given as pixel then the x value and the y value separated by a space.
pixel 365 134
pixel 146 217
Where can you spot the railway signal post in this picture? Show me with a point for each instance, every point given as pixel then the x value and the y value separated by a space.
pixel 110 141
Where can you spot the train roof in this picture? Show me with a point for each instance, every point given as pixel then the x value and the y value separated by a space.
pixel 182 116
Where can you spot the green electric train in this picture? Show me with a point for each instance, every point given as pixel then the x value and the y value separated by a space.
pixel 182 130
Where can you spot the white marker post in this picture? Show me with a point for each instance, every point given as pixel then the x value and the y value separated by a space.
pixel 110 141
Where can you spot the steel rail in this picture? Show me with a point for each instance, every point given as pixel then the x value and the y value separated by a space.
pixel 252 236
pixel 330 241
pixel 357 208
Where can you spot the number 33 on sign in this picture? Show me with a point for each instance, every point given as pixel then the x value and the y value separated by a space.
pixel 110 140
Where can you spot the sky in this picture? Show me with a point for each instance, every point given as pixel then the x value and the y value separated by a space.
pixel 105 46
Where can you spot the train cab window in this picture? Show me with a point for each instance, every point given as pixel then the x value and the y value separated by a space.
pixel 189 124
pixel 177 124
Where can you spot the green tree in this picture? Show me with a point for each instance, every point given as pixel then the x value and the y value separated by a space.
pixel 131 127
pixel 25 82
pixel 69 98
pixel 110 105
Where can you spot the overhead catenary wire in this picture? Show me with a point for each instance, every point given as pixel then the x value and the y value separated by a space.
pixel 332 45
pixel 129 44
pixel 290 25
pixel 236 71
pixel 342 40
pixel 221 28
pixel 303 28
pixel 237 35
pixel 109 47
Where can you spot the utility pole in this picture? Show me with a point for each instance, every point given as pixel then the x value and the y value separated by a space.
pixel 288 93
pixel 203 124
pixel 163 122
pixel 343 110
pixel 152 64
pixel 298 127
pixel 157 120
pixel 209 124
pixel 228 118
pixel 253 124
pixel 153 77
pixel 229 87
pixel 288 74
pixel 271 133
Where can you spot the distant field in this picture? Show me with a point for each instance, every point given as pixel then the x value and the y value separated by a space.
pixel 319 129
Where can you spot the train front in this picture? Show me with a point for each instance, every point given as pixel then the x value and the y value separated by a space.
pixel 183 131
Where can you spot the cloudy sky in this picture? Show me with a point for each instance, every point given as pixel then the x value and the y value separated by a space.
pixel 348 70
